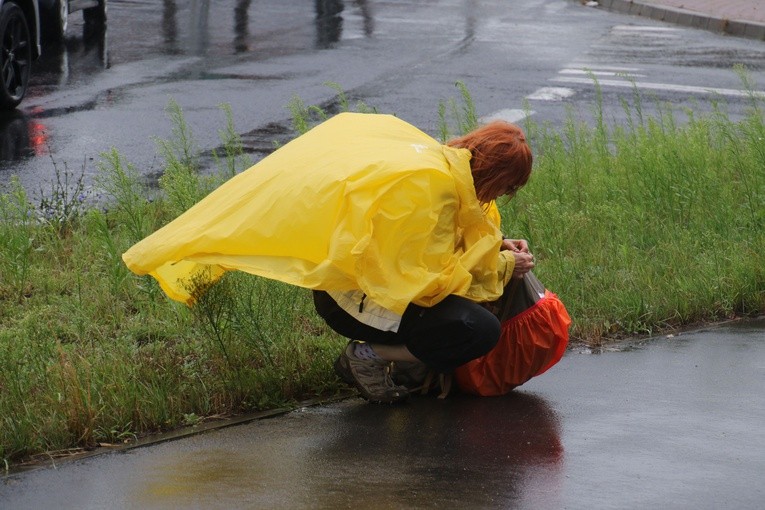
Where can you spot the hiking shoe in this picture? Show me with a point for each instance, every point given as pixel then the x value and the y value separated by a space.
pixel 343 370
pixel 410 374
pixel 370 377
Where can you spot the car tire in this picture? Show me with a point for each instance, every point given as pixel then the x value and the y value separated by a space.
pixel 56 21
pixel 15 56
pixel 95 15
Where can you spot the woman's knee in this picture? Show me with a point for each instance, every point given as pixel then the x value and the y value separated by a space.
pixel 483 329
pixel 452 332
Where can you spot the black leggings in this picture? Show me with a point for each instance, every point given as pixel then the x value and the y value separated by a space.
pixel 443 336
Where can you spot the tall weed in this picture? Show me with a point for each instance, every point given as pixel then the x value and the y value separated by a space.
pixel 18 231
pixel 234 159
pixel 129 200
pixel 180 181
pixel 456 118
pixel 64 203
pixel 304 117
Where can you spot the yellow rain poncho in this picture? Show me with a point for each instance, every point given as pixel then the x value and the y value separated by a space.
pixel 361 202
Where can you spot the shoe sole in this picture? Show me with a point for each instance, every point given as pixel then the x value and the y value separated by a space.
pixel 344 373
pixel 374 400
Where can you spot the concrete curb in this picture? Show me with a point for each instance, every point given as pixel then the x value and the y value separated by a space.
pixel 738 28
pixel 172 435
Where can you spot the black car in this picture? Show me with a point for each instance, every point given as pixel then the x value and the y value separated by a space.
pixel 23 25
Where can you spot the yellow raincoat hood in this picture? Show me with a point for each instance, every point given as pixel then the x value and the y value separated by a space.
pixel 362 201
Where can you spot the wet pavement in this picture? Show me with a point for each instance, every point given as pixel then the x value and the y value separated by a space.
pixel 107 89
pixel 672 422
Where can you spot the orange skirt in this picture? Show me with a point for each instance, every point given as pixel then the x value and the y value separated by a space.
pixel 531 341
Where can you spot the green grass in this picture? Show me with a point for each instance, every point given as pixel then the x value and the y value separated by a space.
pixel 649 226
pixel 652 225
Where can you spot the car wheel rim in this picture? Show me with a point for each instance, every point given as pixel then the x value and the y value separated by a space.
pixel 15 57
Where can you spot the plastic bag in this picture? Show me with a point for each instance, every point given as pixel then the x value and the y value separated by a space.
pixel 534 337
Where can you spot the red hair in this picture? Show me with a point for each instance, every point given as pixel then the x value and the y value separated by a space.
pixel 501 159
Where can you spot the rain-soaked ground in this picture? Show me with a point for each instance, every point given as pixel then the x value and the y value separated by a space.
pixel 673 422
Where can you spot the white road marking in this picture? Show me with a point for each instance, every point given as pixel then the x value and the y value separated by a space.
pixel 551 94
pixel 690 89
pixel 594 67
pixel 508 115
pixel 598 73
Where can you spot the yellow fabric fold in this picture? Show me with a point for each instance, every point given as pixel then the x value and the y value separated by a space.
pixel 362 201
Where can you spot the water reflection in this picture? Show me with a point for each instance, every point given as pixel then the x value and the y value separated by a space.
pixel 492 452
pixel 329 23
pixel 170 26
pixel 20 136
pixel 366 16
pixel 74 59
pixel 470 8
pixel 199 35
pixel 464 452
pixel 241 26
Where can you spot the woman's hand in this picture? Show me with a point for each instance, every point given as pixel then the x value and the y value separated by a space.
pixel 524 260
pixel 517 245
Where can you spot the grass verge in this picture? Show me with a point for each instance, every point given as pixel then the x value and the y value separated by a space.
pixel 638 228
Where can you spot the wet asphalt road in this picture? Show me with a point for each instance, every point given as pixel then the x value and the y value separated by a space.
pixel 672 423
pixel 111 89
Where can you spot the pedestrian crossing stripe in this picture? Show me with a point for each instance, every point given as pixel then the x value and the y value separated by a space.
pixel 668 87
pixel 600 73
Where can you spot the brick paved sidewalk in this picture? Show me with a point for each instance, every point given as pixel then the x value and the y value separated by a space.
pixel 738 10
pixel 742 18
